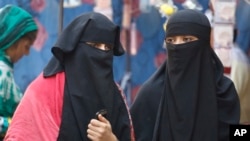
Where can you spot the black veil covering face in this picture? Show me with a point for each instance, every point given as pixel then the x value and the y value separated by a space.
pixel 89 84
pixel 190 99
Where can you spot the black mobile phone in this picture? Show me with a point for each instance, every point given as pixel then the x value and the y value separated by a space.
pixel 103 112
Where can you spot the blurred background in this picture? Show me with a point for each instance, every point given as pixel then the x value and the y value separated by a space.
pixel 142 34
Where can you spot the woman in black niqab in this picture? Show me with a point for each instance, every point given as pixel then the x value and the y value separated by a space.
pixel 188 98
pixel 89 84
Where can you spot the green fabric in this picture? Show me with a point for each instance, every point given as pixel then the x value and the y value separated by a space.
pixel 10 94
pixel 6 59
pixel 4 124
pixel 15 22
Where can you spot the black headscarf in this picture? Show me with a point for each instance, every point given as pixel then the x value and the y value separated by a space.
pixel 188 98
pixel 89 85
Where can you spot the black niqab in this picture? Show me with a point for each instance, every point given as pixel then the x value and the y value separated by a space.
pixel 196 101
pixel 89 85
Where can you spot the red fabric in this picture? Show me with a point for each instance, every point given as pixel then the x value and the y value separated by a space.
pixel 132 133
pixel 38 116
pixel 227 70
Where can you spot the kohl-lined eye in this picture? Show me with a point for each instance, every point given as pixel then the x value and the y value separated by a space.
pixel 169 40
pixel 180 39
pixel 101 46
pixel 187 39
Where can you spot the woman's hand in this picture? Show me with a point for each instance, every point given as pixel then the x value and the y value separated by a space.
pixel 100 130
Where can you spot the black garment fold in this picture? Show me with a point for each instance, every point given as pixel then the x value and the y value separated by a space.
pixel 209 121
pixel 89 83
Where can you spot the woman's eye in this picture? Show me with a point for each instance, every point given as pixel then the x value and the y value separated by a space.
pixel 96 45
pixel 189 39
pixel 108 47
pixel 101 46
pixel 169 40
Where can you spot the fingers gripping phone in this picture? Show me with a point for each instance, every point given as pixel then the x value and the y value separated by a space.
pixel 103 112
